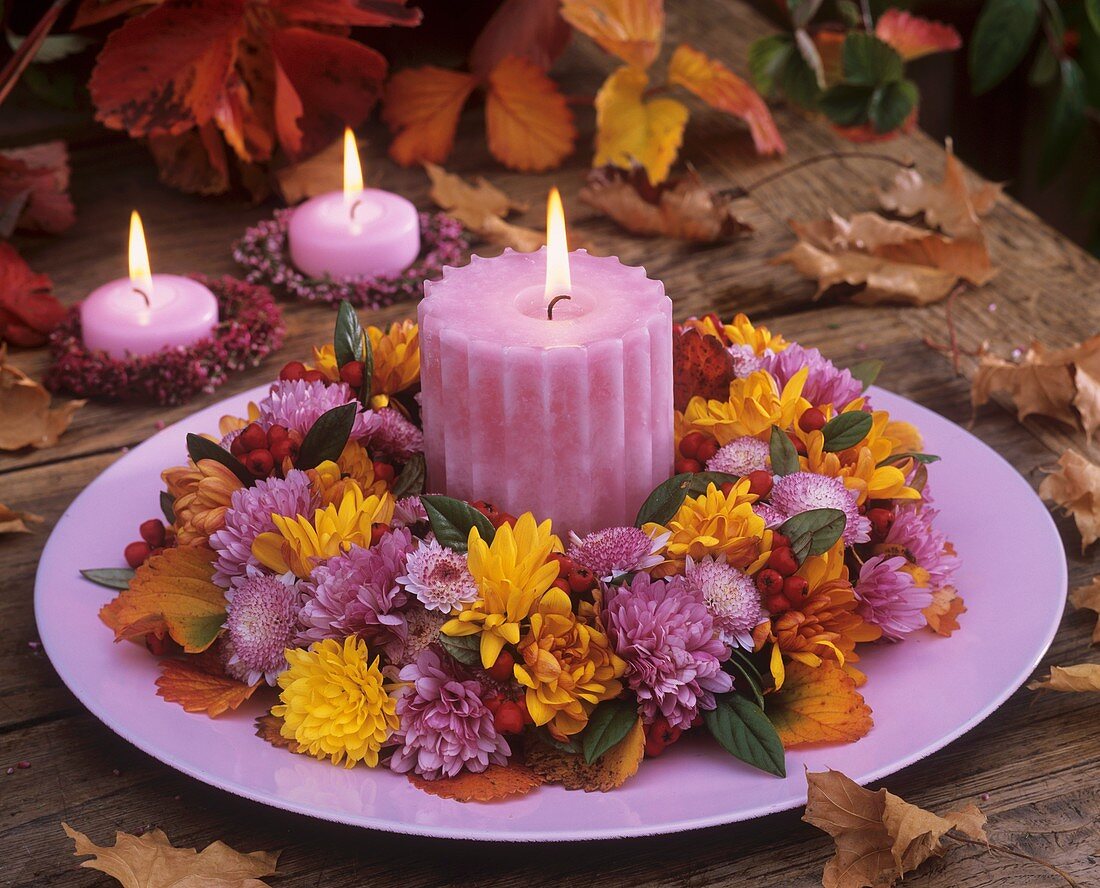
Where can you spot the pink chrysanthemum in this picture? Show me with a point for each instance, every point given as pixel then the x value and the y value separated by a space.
pixel 395 436
pixel 422 631
pixel 408 511
pixel 446 728
pixel 261 620
pixel 731 597
pixel 914 530
pixel 297 405
pixel 357 593
pixel 250 514
pixel 772 518
pixel 745 360
pixel 614 551
pixel 889 598
pixel 667 636
pixel 438 577
pixel 825 384
pixel 740 456
pixel 802 491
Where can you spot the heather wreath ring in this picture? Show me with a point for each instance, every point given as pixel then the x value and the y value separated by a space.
pixel 251 328
pixel 263 252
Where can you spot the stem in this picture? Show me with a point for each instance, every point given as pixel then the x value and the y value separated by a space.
pixel 553 302
pixel 1004 849
pixel 810 161
pixel 868 20
pixel 953 336
pixel 12 71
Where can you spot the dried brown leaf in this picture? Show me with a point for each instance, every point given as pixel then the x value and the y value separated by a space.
pixel 1075 486
pixel 494 783
pixel 1088 598
pixel 1079 678
pixel 12 521
pixel 270 728
pixel 943 613
pixel 1040 383
pixel 319 174
pixel 610 771
pixel 26 417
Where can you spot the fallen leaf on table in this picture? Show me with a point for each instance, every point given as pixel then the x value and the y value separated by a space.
pixel 1075 486
pixel 12 521
pixel 879 836
pixel 26 417
pixel 610 771
pixel 319 174
pixel 1041 383
pixel 1071 679
pixel 527 120
pixel 702 366
pixel 681 207
pixel 629 29
pixel 1088 598
pixel 270 728
pixel 818 705
pixel 494 783
pixel 28 309
pixel 151 861
pixel 34 189
pixel 942 615
pixel 171 593
pixel 199 684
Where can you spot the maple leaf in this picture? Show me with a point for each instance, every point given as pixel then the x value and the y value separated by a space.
pixel 92 12
pixel 34 189
pixel 631 130
pixel 12 521
pixel 27 418
pixel 1088 598
pixel 1079 678
pixel 199 684
pixel 494 783
pixel 28 309
pixel 703 367
pixel 1075 486
pixel 151 861
pixel 720 88
pixel 171 593
pixel 422 106
pixel 1039 383
pixel 529 125
pixel 913 36
pixel 629 29
pixel 943 613
pixel 531 29
pixel 610 771
pixel 818 705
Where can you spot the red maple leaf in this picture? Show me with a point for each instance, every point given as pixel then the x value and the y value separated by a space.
pixel 34 189
pixel 28 309
pixel 702 365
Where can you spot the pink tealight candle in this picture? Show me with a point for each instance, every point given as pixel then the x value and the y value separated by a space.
pixel 359 233
pixel 147 312
pixel 568 416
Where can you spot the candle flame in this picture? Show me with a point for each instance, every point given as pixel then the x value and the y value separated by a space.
pixel 141 275
pixel 353 171
pixel 558 281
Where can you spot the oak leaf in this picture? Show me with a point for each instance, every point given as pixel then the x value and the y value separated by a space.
pixel 818 705
pixel 27 418
pixel 913 36
pixel 702 366
pixel 270 728
pixel 12 521
pixel 151 861
pixel 481 207
pixel 529 125
pixel 199 684
pixel 421 107
pixel 1088 598
pixel 531 29
pixel 494 783
pixel 319 174
pixel 608 772
pixel 171 593
pixel 632 30
pixel 1078 678
pixel 34 189
pixel 28 309
pixel 1075 486
pixel 942 615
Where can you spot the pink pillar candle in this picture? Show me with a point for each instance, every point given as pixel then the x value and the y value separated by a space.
pixel 116 319
pixel 569 418
pixel 380 236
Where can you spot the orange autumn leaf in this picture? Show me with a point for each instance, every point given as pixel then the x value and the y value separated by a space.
pixel 199 684
pixel 818 705
pixel 172 592
pixel 1075 486
pixel 270 728
pixel 703 368
pixel 1088 598
pixel 12 521
pixel 533 29
pixel 1079 678
pixel 422 106
pixel 610 771
pixel 494 783
pixel 720 88
pixel 27 418
pixel 529 125
pixel 913 36
pixel 942 615
pixel 629 29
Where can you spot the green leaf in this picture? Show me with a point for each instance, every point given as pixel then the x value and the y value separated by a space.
pixel 347 338
pixel 923 458
pixel 767 58
pixel 199 447
pixel 664 501
pixel 368 371
pixel 700 481
pixel 1045 67
pixel 168 506
pixel 891 104
pixel 866 372
pixel 451 520
pixel 849 13
pixel 813 532
pixel 464 648
pixel 327 437
pixel 743 730
pixel 608 724
pixel 746 676
pixel 846 104
pixel 571 746
pixel 798 77
pixel 1092 8
pixel 802 11
pixel 1000 40
pixel 868 61
pixel 846 430
pixel 1066 120
pixel 111 577
pixel 784 456
pixel 411 479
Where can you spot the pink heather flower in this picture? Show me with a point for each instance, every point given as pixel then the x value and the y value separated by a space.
pixel 614 551
pixel 395 436
pixel 802 491
pixel 250 514
pixel 826 383
pixel 667 636
pixel 914 530
pixel 297 405
pixel 438 577
pixel 408 511
pixel 446 728
pixel 357 593
pixel 261 620
pixel 745 360
pixel 889 598
pixel 729 595
pixel 741 456
pixel 772 518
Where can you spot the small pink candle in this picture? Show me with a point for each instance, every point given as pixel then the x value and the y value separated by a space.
pixel 569 417
pixel 147 312
pixel 359 233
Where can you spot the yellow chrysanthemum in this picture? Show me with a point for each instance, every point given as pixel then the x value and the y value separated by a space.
pixel 754 405
pixel 512 574
pixel 334 529
pixel 741 332
pixel 202 495
pixel 396 359
pixel 334 702
pixel 568 666
pixel 353 466
pixel 230 423
pixel 715 524
pixel 324 359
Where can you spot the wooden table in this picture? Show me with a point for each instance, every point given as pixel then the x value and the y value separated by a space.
pixel 1032 766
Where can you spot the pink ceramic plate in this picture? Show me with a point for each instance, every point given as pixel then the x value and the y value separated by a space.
pixel 1013 577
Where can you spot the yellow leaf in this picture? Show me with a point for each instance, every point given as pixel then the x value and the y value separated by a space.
pixel 818 704
pixel 318 174
pixel 610 771
pixel 422 106
pixel 629 29
pixel 171 593
pixel 1088 598
pixel 630 130
pixel 720 88
pixel 494 783
pixel 151 861
pixel 199 684
pixel 529 125
pixel 1075 486
pixel 1073 679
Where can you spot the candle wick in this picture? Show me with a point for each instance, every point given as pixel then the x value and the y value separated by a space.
pixel 144 296
pixel 354 207
pixel 553 302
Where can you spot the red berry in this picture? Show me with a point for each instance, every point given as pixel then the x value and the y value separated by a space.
pixel 501 670
pixel 259 462
pixel 689 444
pixel 799 444
pixel 812 420
pixel 769 581
pixel 706 450
pixel 777 603
pixel 314 376
pixel 508 718
pixel 156 644
pixel 486 509
pixel 881 522
pixel 503 518
pixel 152 531
pixel 384 472
pixel 760 482
pixel 563 584
pixel 136 553
pixel 292 371
pixel 726 488
pixel 253 437
pixel 377 531
pixel 352 374
pixel 277 433
pixel 282 449
pixel 780 540
pixel 795 589
pixel 565 563
pixel 581 580
pixel 783 561
pixel 521 702
pixel 237 447
pixel 683 464
pixel 659 736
